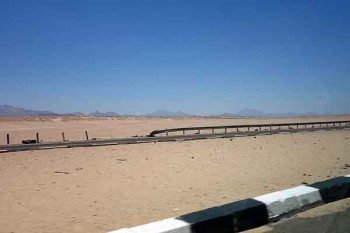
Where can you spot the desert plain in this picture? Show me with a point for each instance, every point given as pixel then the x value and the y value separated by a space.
pixel 99 189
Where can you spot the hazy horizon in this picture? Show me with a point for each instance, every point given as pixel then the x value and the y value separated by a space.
pixel 241 112
pixel 199 57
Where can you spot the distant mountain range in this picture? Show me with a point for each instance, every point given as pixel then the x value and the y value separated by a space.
pixel 165 113
pixel 106 114
pixel 8 110
pixel 248 112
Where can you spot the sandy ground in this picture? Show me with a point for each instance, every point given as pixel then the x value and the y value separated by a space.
pixel 51 128
pixel 100 189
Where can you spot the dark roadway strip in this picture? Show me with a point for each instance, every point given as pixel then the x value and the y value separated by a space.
pixel 136 140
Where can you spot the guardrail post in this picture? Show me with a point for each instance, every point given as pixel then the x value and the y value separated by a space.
pixel 199 131
pixel 212 131
pixel 86 135
pixel 37 137
pixel 260 128
pixel 237 129
pixel 320 125
pixel 167 133
pixel 183 132
pixel 248 128
pixel 63 138
pixel 225 130
pixel 270 127
pixel 8 138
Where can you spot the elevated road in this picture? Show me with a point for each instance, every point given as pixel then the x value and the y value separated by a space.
pixel 256 127
pixel 266 129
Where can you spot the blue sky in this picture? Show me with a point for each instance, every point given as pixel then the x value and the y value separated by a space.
pixel 201 57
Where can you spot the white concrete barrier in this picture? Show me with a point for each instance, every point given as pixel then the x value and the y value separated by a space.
pixel 170 225
pixel 289 200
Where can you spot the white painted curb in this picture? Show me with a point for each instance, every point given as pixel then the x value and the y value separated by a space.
pixel 124 230
pixel 289 200
pixel 170 225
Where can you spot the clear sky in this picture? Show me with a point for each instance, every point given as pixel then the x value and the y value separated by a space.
pixel 201 57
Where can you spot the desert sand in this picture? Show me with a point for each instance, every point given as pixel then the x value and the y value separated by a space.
pixel 99 189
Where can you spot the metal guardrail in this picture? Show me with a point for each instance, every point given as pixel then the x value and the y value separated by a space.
pixel 258 127
pixel 332 125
